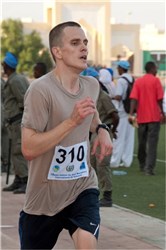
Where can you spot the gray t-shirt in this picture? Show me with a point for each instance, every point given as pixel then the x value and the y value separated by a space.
pixel 46 105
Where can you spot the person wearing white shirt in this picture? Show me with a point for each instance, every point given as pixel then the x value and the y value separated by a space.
pixel 123 146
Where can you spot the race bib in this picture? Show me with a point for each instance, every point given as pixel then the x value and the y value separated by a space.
pixel 69 163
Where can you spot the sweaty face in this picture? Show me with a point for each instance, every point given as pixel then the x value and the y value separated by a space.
pixel 74 48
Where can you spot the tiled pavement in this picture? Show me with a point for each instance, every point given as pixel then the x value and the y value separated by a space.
pixel 120 228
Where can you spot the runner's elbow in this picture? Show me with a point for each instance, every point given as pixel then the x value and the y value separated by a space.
pixel 28 153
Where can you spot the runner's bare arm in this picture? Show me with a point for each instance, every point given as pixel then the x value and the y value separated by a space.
pixel 35 143
pixel 102 140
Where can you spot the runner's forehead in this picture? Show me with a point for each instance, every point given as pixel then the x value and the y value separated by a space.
pixel 74 33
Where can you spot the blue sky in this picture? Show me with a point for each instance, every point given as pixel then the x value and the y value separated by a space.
pixel 134 12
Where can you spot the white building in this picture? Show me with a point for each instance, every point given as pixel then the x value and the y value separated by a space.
pixel 106 40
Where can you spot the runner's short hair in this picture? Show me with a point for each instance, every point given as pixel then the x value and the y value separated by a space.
pixel 55 35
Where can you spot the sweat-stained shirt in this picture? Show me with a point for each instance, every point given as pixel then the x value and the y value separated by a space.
pixel 46 105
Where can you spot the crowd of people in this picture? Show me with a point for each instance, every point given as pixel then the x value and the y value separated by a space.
pixel 67 129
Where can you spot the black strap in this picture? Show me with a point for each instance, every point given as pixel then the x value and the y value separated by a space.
pixel 128 79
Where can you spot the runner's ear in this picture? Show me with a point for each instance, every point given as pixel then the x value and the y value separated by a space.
pixel 57 52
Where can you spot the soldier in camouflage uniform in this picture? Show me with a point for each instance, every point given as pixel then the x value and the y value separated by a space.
pixel 108 115
pixel 14 90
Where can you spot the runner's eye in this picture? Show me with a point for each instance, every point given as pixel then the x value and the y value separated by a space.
pixel 74 43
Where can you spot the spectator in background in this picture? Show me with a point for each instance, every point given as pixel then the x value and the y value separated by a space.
pixel 147 96
pixel 111 72
pixel 108 115
pixel 14 90
pixel 40 69
pixel 112 85
pixel 105 78
pixel 123 146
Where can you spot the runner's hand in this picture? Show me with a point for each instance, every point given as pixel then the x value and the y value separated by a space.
pixel 102 145
pixel 82 109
